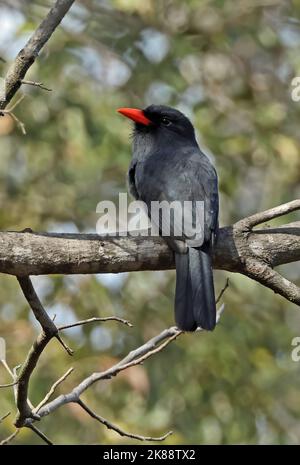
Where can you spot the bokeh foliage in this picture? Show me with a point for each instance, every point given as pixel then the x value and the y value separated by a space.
pixel 228 65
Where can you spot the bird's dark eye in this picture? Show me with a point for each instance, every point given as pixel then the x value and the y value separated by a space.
pixel 165 121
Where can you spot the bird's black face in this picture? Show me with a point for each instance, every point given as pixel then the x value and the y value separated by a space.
pixel 166 119
pixel 160 121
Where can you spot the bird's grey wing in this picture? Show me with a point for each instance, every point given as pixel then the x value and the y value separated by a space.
pixel 209 189
pixel 190 180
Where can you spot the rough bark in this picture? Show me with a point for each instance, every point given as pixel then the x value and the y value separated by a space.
pixel 51 253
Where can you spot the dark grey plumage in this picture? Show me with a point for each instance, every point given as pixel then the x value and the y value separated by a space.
pixel 167 164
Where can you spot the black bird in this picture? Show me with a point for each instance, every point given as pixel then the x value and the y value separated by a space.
pixel 167 164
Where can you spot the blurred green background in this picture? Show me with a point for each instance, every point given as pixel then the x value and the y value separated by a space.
pixel 228 65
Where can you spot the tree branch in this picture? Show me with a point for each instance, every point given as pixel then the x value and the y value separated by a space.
pixel 36 84
pixel 117 429
pixel 40 434
pixel 29 53
pixel 135 357
pixel 95 320
pixel 8 385
pixel 267 215
pixel 239 249
pixel 49 330
pixel 222 291
pixel 4 416
pixel 9 112
pixel 7 440
pixel 27 414
pixel 53 389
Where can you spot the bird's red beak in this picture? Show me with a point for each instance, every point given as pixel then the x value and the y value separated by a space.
pixel 135 114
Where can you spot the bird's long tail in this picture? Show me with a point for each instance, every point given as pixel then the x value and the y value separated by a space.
pixel 195 296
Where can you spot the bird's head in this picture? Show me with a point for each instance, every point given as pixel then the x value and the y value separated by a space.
pixel 161 122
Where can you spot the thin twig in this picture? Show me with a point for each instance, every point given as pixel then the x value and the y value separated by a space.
pixel 11 373
pixel 16 120
pixel 36 84
pixel 40 434
pixel 10 437
pixel 117 429
pixel 9 112
pixel 52 390
pixel 14 105
pixel 223 291
pixel 144 357
pixel 4 416
pixel 65 346
pixel 15 376
pixel 93 320
pixel 267 215
pixel 8 385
